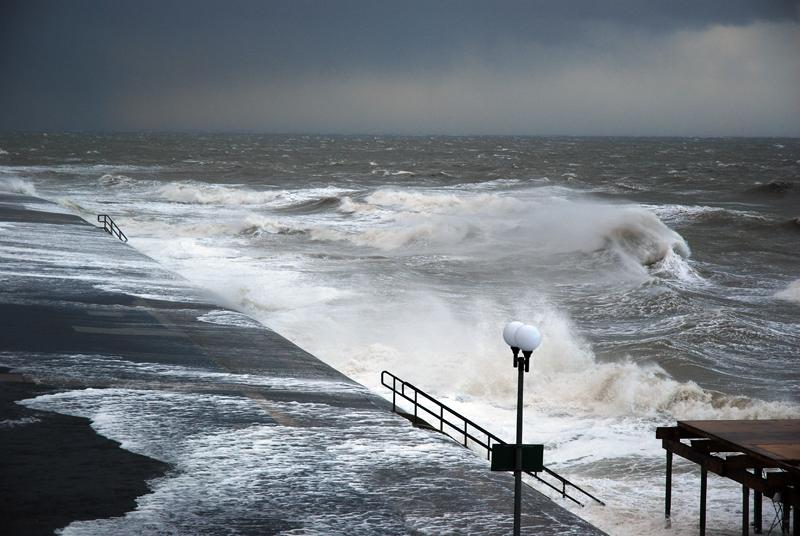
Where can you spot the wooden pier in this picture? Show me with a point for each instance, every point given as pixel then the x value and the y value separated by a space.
pixel 761 455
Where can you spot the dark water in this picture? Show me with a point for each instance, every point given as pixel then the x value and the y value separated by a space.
pixel 663 273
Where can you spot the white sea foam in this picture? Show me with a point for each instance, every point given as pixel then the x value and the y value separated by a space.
pixel 790 293
pixel 214 194
pixel 15 423
pixel 74 207
pixel 17 185
pixel 673 213
pixel 89 369
pixel 545 224
pixel 233 460
pixel 567 376
pixel 494 184
pixel 229 318
pixel 426 202
pixel 211 194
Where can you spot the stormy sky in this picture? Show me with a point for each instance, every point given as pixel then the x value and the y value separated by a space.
pixel 574 67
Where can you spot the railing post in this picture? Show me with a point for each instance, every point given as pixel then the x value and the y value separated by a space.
pixel 415 403
pixel 394 394
pixel 465 432
pixel 441 418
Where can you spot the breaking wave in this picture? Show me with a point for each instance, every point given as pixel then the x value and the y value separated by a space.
pixel 212 194
pixel 567 379
pixel 641 235
pixel 17 186
pixel 307 200
pixel 410 201
pixel 548 225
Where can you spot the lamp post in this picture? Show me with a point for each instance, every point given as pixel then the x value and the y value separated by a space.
pixel 525 338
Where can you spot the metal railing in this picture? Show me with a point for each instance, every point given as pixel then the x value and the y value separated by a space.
pixel 110 227
pixel 469 433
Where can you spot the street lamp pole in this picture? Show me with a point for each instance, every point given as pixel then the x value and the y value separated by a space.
pixel 518 454
pixel 525 338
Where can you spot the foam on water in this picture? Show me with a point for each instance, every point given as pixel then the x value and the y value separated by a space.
pixel 414 274
pixel 228 477
pixel 790 293
pixel 214 194
pixel 229 318
pixel 93 369
pixel 17 185
pixel 542 223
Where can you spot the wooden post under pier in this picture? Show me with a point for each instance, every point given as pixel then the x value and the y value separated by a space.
pixel 703 490
pixel 668 488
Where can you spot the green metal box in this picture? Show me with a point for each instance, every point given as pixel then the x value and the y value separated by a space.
pixel 504 458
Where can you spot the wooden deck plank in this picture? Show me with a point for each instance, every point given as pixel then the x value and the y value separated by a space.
pixel 770 440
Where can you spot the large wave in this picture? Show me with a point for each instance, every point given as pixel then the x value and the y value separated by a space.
pixel 212 194
pixel 546 225
pixel 421 338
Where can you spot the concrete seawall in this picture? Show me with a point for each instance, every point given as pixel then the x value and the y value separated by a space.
pixel 249 433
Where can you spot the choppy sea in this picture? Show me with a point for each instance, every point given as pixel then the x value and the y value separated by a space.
pixel 664 274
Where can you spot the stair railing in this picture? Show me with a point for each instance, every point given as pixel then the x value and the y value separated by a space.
pixel 110 227
pixel 452 423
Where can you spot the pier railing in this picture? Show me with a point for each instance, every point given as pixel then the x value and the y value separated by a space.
pixel 466 432
pixel 110 227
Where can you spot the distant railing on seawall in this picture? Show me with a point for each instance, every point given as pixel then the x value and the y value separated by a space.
pixel 468 433
pixel 110 227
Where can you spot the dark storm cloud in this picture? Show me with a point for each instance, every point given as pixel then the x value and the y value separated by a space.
pixel 91 64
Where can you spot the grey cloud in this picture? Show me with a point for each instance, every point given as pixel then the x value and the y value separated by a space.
pixel 85 63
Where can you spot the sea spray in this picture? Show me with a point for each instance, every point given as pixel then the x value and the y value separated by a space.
pixel 790 293
pixel 416 273
pixel 17 185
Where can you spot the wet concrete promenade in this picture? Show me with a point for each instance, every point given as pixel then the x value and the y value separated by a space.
pixel 235 429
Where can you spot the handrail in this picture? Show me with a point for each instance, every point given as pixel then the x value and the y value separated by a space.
pixel 465 427
pixel 110 227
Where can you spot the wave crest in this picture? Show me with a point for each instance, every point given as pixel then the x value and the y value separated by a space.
pixel 567 378
pixel 17 185
pixel 643 236
pixel 212 194
pixel 546 225
pixel 410 201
